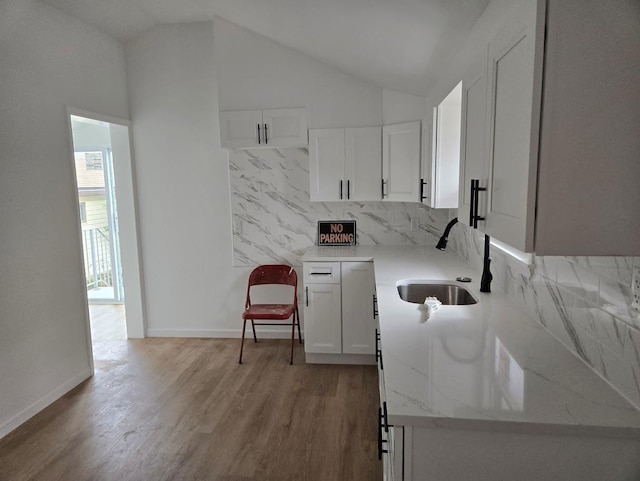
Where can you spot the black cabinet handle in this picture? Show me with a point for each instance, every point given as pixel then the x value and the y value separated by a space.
pixel 266 137
pixel 474 202
pixel 375 306
pixel 348 189
pixel 306 292
pixel 379 351
pixel 422 184
pixel 386 417
pixel 340 190
pixel 383 188
pixel 258 133
pixel 380 440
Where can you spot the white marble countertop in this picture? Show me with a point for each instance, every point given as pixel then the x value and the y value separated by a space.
pixel 481 366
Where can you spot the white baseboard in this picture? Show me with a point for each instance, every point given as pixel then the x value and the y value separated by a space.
pixel 261 332
pixel 7 426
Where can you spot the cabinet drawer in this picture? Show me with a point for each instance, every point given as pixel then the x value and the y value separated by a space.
pixel 321 272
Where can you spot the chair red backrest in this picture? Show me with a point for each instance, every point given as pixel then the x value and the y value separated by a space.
pixel 274 274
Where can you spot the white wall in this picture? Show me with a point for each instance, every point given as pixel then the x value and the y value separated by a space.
pixel 257 73
pixel 49 60
pixel 472 51
pixel 183 184
pixel 398 107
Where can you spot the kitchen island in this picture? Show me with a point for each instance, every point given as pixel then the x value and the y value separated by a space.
pixel 482 391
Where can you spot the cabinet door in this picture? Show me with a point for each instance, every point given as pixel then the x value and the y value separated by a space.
pixel 326 165
pixel 322 319
pixel 427 158
pixel 285 127
pixel 363 163
pixel 473 152
pixel 240 128
pixel 515 86
pixel 358 324
pixel 401 162
pixel 446 167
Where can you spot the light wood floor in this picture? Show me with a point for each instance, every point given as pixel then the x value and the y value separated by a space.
pixel 183 409
pixel 108 322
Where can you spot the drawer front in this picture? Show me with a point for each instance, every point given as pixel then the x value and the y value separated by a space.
pixel 321 272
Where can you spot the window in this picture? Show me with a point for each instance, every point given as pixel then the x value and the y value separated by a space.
pixel 93 160
pixel 83 212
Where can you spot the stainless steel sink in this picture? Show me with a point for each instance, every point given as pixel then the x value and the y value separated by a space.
pixel 417 290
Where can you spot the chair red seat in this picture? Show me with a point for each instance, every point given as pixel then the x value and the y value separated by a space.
pixel 274 274
pixel 269 311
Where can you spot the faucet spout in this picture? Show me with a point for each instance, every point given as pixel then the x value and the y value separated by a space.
pixel 485 280
pixel 442 243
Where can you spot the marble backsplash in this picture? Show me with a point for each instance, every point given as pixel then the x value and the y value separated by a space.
pixel 274 221
pixel 585 302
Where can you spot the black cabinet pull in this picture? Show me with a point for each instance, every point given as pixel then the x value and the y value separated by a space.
pixel 340 190
pixel 258 133
pixel 386 417
pixel 348 189
pixel 380 440
pixel 375 307
pixel 474 202
pixel 306 292
pixel 266 137
pixel 471 202
pixel 422 184
pixel 383 188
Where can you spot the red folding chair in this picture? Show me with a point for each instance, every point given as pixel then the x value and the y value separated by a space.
pixel 272 274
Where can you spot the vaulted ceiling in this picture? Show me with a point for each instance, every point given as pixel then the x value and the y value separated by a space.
pixel 397 44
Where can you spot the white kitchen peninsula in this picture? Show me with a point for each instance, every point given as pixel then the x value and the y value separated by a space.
pixel 482 392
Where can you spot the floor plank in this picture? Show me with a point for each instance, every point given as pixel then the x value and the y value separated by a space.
pixel 183 409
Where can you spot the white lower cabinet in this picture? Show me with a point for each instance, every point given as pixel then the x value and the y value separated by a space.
pixel 322 318
pixel 338 311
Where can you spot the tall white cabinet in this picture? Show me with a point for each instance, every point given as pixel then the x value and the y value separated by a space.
pixel 338 312
pixel 345 164
pixel 501 115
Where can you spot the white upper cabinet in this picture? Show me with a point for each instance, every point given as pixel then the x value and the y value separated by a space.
pixel 513 132
pixel 441 153
pixel 345 164
pixel 556 161
pixel 501 114
pixel 264 128
pixel 427 159
pixel 473 145
pixel 401 162
pixel 326 164
pixel 363 166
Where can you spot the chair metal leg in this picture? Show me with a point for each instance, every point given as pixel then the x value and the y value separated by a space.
pixel 253 326
pixel 244 325
pixel 298 318
pixel 293 335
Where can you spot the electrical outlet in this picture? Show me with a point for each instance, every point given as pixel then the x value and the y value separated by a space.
pixel 635 286
pixel 415 224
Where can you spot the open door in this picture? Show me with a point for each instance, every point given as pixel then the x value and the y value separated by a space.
pixel 104 180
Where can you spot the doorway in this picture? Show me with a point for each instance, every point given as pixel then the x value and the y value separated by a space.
pixel 104 183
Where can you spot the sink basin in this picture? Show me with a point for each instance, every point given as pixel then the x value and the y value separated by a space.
pixel 450 294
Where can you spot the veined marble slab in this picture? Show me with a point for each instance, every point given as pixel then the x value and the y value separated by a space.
pixel 275 222
pixel 482 366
